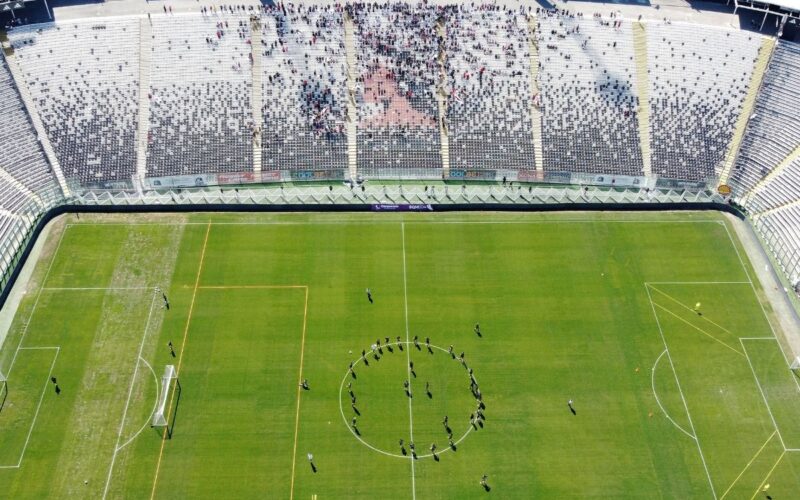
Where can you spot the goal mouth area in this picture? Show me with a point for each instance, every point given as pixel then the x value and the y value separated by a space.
pixel 168 400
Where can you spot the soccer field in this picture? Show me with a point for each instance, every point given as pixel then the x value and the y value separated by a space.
pixel 670 400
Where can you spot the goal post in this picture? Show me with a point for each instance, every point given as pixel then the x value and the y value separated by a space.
pixel 170 390
pixel 3 390
pixel 795 364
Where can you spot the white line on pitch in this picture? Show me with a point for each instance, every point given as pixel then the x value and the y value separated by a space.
pixel 39 348
pixel 155 405
pixel 36 302
pixel 130 393
pixel 655 394
pixel 38 407
pixel 680 390
pixel 408 358
pixel 698 282
pixel 788 359
pixel 377 220
pixel 85 288
pixel 761 390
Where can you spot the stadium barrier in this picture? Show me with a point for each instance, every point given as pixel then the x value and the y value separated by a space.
pixel 344 198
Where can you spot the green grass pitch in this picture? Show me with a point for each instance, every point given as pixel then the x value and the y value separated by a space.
pixel 597 308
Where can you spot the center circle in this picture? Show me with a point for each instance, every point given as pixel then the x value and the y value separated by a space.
pixel 441 385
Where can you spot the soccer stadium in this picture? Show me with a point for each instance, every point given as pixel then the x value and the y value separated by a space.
pixel 400 250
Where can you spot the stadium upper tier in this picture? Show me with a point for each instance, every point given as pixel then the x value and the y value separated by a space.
pixel 240 95
pixel 430 91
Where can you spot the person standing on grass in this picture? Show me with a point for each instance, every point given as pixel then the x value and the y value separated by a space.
pixel 478 330
pixel 369 296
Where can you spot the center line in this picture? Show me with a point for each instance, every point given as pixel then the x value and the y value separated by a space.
pixel 408 357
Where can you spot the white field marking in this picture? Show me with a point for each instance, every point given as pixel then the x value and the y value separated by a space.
pixel 36 414
pixel 787 356
pixel 749 464
pixel 36 302
pixel 155 405
pixel 376 220
pixel 299 381
pixel 39 348
pixel 680 390
pixel 388 454
pixel 85 288
pixel 698 282
pixel 130 393
pixel 792 449
pixel 653 386
pixel 761 390
pixel 758 338
pixel 408 356
pixel 768 475
pixel 180 355
pixel 715 339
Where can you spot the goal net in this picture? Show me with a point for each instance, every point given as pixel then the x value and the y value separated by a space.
pixel 795 364
pixel 169 386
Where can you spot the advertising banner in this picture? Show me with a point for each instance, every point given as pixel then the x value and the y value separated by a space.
pixel 393 207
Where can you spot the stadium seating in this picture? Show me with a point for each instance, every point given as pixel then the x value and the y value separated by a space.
pixel 422 72
pixel 782 189
pixel 200 108
pixel 83 77
pixel 22 156
pixel 588 99
pixel 489 89
pixel 774 127
pixel 780 229
pixel 304 81
pixel 698 81
pixel 397 49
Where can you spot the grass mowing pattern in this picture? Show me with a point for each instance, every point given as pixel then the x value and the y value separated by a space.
pixel 568 309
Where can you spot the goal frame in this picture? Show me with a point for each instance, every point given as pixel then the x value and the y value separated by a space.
pixel 170 396
pixel 795 365
pixel 3 391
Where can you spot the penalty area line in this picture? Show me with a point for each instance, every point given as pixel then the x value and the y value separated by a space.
pixel 130 394
pixel 763 396
pixel 680 391
pixel 38 407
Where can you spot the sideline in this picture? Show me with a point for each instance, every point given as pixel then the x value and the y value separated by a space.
pixel 783 317
pixel 9 310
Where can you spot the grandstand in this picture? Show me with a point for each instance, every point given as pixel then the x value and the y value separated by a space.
pixel 235 96
pixel 401 106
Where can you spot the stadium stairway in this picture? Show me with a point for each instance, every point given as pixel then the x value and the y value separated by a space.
pixel 643 90
pixel 441 99
pixel 33 113
pixel 536 115
pixel 145 55
pixel 352 112
pixel 795 154
pixel 759 70
pixel 257 91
